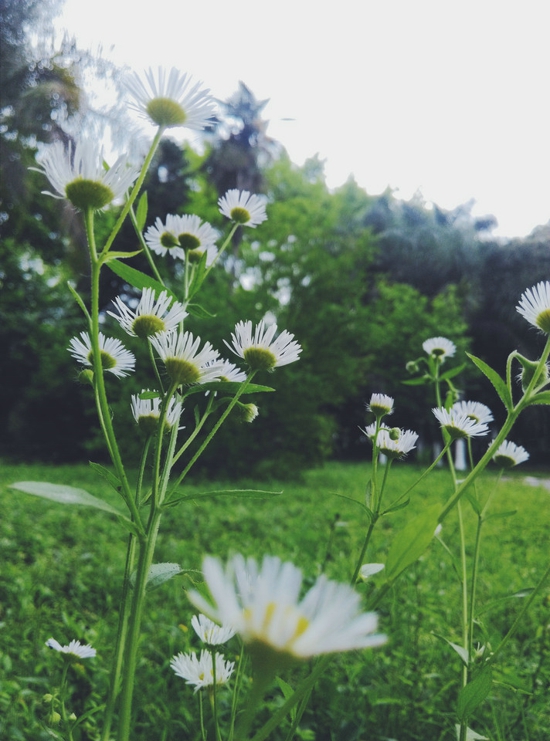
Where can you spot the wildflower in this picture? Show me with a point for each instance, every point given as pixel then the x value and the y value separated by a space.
pixel 459 425
pixel 146 412
pixel 475 410
pixel 183 235
pixel 259 351
pixel 380 405
pixel 199 671
pixel 396 443
pixel 115 358
pixel 77 173
pixel 439 348
pixel 508 455
pixel 262 605
pixel 209 632
pixel 183 360
pixel 369 431
pixel 151 315
pixel 534 306
pixel 74 650
pixel 246 412
pixel 243 207
pixel 171 101
pixel 528 370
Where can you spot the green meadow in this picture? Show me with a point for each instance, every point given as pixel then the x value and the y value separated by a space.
pixel 61 569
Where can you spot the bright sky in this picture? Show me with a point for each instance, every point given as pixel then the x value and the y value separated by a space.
pixel 443 96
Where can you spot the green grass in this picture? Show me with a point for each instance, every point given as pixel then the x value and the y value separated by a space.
pixel 61 568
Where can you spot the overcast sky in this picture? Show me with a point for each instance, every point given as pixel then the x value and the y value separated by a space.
pixel 449 98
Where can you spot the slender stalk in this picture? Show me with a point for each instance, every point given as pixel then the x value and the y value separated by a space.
pixel 215 695
pixel 145 247
pixel 201 717
pixel 63 692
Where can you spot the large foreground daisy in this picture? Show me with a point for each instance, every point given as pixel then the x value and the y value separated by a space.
pixel 185 363
pixel 77 173
pixel 260 350
pixel 262 604
pixel 171 99
pixel 152 315
pixel 459 425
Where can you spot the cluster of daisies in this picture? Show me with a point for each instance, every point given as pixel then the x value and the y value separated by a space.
pixel 464 419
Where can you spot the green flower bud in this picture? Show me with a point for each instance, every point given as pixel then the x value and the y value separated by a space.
pixel 529 368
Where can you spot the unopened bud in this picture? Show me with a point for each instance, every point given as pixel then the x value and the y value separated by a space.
pixel 412 366
pixel 395 433
pixel 529 368
pixel 54 717
pixel 247 412
pixel 72 716
pixel 86 376
pixel 47 698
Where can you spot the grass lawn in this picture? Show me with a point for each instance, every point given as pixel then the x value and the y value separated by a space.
pixel 61 569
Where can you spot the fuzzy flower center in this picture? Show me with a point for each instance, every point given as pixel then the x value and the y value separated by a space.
pixel 107 361
pixel 168 240
pixel 455 432
pixel 85 194
pixel 188 241
pixel 182 371
pixel 148 423
pixel 259 358
pixel 240 215
pixel 147 325
pixel 194 256
pixel 504 461
pixel 543 321
pixel 166 112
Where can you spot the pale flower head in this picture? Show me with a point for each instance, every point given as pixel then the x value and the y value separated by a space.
pixel 459 425
pixel 509 455
pixel 74 650
pixel 534 305
pixel 396 443
pixel 115 358
pixel 146 412
pixel 380 405
pixel 262 604
pixel 152 315
pixel 370 569
pixel 439 348
pixel 199 671
pixel 171 100
pixel 77 174
pixel 209 632
pixel 475 410
pixel 185 363
pixel 260 350
pixel 243 207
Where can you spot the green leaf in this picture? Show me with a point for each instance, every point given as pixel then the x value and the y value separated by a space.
pixel 497 602
pixel 229 387
pixel 412 541
pixel 417 381
pixel 359 504
pixel 141 212
pixel 239 493
pixel 199 311
pixel 395 507
pixel 497 515
pixel 287 691
pixel 110 256
pixel 461 651
pixel 65 495
pixel 78 300
pixel 542 398
pixel 150 395
pixel 109 476
pixel 452 372
pixel 473 501
pixel 499 384
pixel 138 279
pixel 474 693
pixel 158 574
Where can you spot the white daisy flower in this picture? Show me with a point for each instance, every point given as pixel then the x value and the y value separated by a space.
pixel 74 649
pixel 172 100
pixel 209 632
pixel 258 349
pixel 474 410
pixel 229 372
pixel 369 431
pixel 396 443
pixel 146 412
pixel 439 348
pixel 181 236
pixel 199 671
pixel 151 315
pixel 380 405
pixel 243 207
pixel 115 358
pixel 509 454
pixel 534 306
pixel 459 425
pixel 262 605
pixel 183 360
pixel 77 173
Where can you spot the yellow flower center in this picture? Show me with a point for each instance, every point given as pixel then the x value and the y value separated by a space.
pixel 107 361
pixel 147 325
pixel 86 194
pixel 259 358
pixel 543 321
pixel 166 112
pixel 240 215
pixel 168 240
pixel 182 371
pixel 148 423
pixel 188 241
